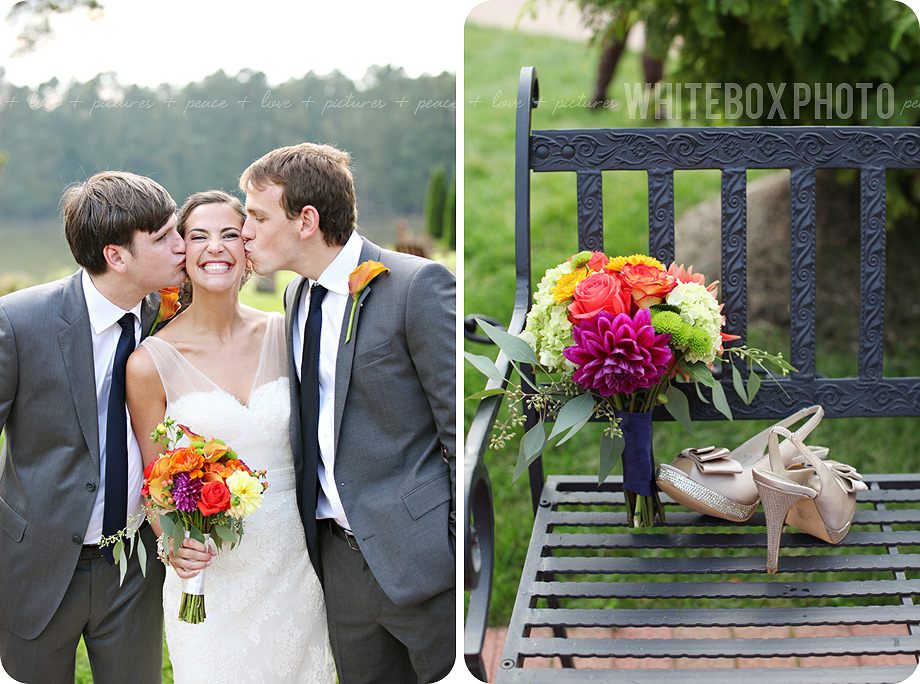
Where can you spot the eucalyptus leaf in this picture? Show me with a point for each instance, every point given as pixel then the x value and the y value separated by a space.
pixel 678 406
pixel 224 532
pixel 573 430
pixel 532 445
pixel 515 348
pixel 699 393
pixel 131 536
pixel 576 411
pixel 195 533
pixel 720 402
pixel 753 384
pixel 738 384
pixel 122 568
pixel 611 450
pixel 118 551
pixel 142 556
pixel 485 393
pixel 484 365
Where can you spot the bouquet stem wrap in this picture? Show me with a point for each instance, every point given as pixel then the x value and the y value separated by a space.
pixel 191 606
pixel 643 506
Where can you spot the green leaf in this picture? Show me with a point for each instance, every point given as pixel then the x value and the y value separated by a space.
pixel 575 412
pixel 131 536
pixel 515 348
pixel 753 384
pixel 225 533
pixel 122 569
pixel 738 384
pixel 699 371
pixel 167 524
pixel 719 400
pixel 195 533
pixel 532 445
pixel 485 393
pixel 699 393
pixel 118 551
pixel 142 556
pixel 611 450
pixel 678 406
pixel 484 365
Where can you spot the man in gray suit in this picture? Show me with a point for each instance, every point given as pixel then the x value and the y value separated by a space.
pixel 373 428
pixel 66 454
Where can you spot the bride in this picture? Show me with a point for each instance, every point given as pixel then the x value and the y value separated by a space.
pixel 221 369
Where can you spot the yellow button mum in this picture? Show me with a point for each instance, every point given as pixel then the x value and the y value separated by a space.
pixel 565 286
pixel 616 263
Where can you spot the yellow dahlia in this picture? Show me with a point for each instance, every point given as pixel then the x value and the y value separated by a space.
pixel 245 494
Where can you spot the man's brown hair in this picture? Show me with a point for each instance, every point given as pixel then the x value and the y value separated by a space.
pixel 310 174
pixel 107 209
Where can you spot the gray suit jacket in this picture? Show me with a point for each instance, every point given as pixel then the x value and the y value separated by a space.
pixel 395 406
pixel 49 465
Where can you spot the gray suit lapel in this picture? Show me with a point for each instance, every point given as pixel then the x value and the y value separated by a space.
pixel 77 349
pixel 291 298
pixel 150 307
pixel 346 352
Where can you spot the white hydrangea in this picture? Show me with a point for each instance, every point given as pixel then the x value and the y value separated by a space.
pixel 548 329
pixel 699 308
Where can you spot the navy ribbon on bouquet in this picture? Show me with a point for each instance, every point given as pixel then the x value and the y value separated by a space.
pixel 638 459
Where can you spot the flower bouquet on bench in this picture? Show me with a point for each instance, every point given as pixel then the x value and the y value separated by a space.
pixel 614 336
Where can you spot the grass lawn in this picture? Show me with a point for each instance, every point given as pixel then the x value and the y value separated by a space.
pixel 566 69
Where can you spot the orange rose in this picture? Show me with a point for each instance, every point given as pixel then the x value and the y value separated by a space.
pixel 649 284
pixel 599 292
pixel 597 261
pixel 215 497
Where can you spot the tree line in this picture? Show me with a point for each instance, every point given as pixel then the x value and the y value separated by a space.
pixel 203 134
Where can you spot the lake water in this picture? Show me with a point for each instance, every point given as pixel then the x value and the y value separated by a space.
pixel 36 251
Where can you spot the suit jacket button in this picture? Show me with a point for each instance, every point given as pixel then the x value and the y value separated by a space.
pixel 91 486
pixel 76 539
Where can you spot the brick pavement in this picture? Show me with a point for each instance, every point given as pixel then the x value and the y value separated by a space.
pixel 495 639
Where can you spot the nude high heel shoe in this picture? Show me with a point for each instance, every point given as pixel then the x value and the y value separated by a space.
pixel 718 482
pixel 819 499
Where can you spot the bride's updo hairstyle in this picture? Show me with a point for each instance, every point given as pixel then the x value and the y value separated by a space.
pixel 185 211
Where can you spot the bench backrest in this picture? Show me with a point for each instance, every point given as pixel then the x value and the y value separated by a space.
pixel 734 150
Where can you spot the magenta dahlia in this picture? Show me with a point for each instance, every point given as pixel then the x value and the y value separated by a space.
pixel 618 354
pixel 186 491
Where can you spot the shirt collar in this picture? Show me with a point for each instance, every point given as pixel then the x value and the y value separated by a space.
pixel 335 277
pixel 102 313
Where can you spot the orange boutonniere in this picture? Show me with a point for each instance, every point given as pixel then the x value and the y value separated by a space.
pixel 169 306
pixel 357 281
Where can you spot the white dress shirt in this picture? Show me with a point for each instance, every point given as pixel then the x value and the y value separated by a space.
pixel 336 305
pixel 105 330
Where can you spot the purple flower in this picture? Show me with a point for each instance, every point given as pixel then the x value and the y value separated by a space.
pixel 186 491
pixel 618 354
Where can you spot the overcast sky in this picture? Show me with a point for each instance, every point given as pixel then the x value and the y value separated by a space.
pixel 178 41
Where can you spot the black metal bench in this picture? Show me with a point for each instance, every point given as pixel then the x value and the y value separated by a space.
pixel 606 565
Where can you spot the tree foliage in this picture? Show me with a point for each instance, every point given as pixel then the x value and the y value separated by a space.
pixel 33 19
pixel 203 134
pixel 436 198
pixel 838 42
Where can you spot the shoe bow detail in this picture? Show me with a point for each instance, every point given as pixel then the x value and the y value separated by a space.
pixel 713 460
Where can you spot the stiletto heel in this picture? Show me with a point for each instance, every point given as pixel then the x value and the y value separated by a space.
pixel 819 498
pixel 776 505
pixel 718 482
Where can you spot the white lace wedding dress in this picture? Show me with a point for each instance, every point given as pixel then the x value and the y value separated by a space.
pixel 266 618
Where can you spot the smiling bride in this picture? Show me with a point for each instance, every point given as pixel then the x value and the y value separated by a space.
pixel 221 368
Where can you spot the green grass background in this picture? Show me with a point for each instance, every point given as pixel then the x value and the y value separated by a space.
pixel 566 69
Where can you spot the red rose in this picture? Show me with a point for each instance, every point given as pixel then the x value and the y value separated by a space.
pixel 599 292
pixel 215 497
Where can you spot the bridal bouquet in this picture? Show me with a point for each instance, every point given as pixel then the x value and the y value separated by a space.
pixel 203 491
pixel 613 335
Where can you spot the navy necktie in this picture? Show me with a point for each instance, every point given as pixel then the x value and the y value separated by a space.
pixel 114 513
pixel 309 409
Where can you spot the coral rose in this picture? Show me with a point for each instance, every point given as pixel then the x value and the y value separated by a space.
pixel 649 285
pixel 215 497
pixel 599 292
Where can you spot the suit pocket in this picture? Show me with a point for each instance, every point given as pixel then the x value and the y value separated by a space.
pixel 373 354
pixel 428 496
pixel 11 522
